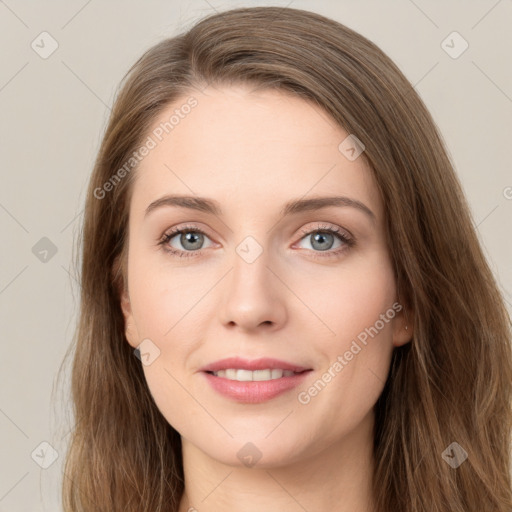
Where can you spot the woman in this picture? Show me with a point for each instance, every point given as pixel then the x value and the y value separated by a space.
pixel 225 360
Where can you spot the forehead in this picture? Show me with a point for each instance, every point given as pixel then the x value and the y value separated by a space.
pixel 249 149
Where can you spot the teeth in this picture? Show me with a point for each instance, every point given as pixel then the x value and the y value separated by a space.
pixel 256 375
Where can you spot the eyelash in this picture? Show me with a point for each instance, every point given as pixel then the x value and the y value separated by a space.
pixel 347 240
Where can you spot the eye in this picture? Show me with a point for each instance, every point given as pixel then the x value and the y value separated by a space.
pixel 191 239
pixel 322 239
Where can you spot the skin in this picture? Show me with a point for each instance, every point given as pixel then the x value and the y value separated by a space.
pixel 253 151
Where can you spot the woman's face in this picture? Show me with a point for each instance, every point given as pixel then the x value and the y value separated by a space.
pixel 261 275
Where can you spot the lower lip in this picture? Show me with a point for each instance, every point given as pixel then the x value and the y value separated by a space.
pixel 254 392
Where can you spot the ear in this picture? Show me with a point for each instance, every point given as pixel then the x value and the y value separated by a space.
pixel 403 327
pixel 119 280
pixel 131 333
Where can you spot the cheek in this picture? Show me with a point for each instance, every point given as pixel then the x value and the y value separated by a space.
pixel 356 313
pixel 348 299
pixel 162 297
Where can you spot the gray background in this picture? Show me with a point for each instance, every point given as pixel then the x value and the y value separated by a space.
pixel 54 111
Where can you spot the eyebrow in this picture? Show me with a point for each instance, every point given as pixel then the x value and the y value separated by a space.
pixel 292 207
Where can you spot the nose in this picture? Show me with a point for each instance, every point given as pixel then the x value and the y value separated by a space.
pixel 253 296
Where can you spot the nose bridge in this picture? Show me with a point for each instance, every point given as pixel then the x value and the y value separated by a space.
pixel 250 267
pixel 252 294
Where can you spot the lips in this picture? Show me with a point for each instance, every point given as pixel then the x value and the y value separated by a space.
pixel 263 363
pixel 254 392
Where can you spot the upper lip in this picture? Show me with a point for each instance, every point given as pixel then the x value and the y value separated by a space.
pixel 256 364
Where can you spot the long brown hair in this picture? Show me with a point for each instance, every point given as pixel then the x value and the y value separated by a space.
pixel 451 384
